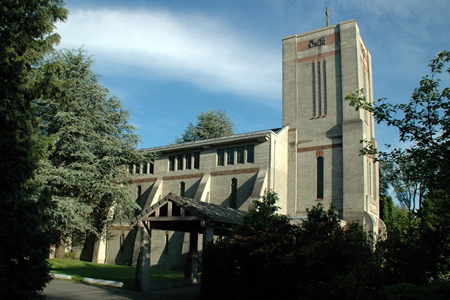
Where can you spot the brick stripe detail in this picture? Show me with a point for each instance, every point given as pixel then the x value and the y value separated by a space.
pixel 120 228
pixel 330 39
pixel 144 180
pixel 318 57
pixel 188 176
pixel 319 148
pixel 234 172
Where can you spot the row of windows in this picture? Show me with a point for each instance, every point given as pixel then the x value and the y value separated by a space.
pixel 236 155
pixel 189 161
pixel 182 192
pixel 186 161
pixel 147 168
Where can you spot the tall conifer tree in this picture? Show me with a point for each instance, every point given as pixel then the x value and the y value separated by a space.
pixel 86 170
pixel 25 37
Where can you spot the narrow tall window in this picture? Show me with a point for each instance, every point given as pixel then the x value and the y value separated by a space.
pixel 221 157
pixel 145 168
pixel 325 104
pixel 233 195
pixel 180 162
pixel 230 156
pixel 240 154
pixel 370 178
pixel 139 191
pixel 313 85
pixel 188 161
pixel 250 154
pixel 196 160
pixel 320 176
pixel 182 189
pixel 171 163
pixel 166 240
pixel 319 89
pixel 122 241
pixel 152 167
pixel 138 169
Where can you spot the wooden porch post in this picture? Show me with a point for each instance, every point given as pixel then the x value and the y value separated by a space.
pixel 191 263
pixel 142 277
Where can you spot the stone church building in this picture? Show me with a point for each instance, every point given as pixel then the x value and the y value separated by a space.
pixel 312 158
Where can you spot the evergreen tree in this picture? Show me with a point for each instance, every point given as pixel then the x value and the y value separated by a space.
pixel 210 124
pixel 25 37
pixel 86 171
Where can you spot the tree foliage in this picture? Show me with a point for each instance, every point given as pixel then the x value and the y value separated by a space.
pixel 25 37
pixel 210 124
pixel 93 142
pixel 417 248
pixel 318 259
pixel 423 122
pixel 397 176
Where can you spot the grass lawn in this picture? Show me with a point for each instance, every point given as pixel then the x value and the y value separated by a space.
pixel 80 269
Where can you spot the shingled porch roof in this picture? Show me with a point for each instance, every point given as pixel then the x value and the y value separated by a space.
pixel 184 214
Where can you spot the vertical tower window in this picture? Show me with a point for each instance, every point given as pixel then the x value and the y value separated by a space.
pixel 325 104
pixel 233 195
pixel 320 177
pixel 370 178
pixel 319 90
pixel 313 85
pixel 139 191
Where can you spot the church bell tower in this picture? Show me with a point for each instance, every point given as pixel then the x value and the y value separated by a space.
pixel 320 67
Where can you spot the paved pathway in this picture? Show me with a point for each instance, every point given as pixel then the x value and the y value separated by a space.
pixel 68 290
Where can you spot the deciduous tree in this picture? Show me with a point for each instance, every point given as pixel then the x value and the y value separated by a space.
pixel 417 248
pixel 424 123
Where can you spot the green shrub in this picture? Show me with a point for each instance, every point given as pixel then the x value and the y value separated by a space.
pixel 71 255
pixel 436 290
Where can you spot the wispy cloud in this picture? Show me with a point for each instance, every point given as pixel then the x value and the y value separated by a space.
pixel 197 49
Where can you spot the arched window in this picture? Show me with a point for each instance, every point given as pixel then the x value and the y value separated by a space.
pixel 182 189
pixel 233 195
pixel 320 176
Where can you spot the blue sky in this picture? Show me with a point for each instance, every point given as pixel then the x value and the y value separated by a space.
pixel 169 60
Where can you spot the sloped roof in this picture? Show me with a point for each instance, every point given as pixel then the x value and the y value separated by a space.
pixel 242 137
pixel 187 212
pixel 211 213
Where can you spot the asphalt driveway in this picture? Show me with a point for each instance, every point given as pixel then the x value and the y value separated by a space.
pixel 68 290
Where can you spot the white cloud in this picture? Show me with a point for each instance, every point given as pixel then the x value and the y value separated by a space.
pixel 192 48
